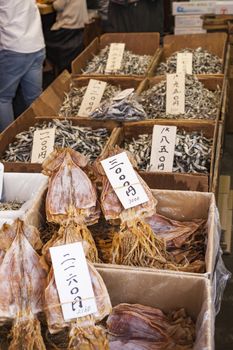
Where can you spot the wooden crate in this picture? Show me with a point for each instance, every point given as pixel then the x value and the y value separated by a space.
pixel 172 181
pixel 138 43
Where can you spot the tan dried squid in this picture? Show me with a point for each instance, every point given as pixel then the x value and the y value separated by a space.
pixel 135 243
pixel 22 284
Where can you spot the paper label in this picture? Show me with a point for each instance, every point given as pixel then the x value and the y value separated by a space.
pixel 73 281
pixel 1 178
pixel 43 144
pixel 115 56
pixel 175 95
pixel 124 180
pixel 184 62
pixel 163 148
pixel 92 97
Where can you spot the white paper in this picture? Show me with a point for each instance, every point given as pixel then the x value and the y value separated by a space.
pixel 184 62
pixel 115 56
pixel 124 180
pixel 73 281
pixel 163 148
pixel 43 144
pixel 175 95
pixel 92 97
pixel 1 178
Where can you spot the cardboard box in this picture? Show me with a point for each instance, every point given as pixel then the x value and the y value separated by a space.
pixel 189 30
pixel 138 43
pixel 193 8
pixel 188 21
pixel 167 292
pixel 27 188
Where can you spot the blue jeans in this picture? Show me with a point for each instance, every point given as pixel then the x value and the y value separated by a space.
pixel 24 69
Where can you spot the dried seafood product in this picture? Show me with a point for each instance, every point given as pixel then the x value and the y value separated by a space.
pixel 73 99
pixel 22 284
pixel 135 244
pixel 200 103
pixel 11 205
pixel 204 62
pixel 138 327
pixel 132 64
pixel 90 142
pixel 192 154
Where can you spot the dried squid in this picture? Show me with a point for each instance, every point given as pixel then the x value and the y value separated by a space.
pixel 138 327
pixel 135 243
pixel 22 284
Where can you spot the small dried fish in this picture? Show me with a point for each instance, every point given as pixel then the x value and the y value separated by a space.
pixel 192 152
pixel 200 103
pixel 131 64
pixel 85 140
pixel 12 205
pixel 74 97
pixel 204 62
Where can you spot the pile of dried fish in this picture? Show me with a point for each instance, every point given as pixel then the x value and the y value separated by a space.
pixel 12 205
pixel 131 64
pixel 135 326
pixel 200 103
pixel 192 152
pixel 86 140
pixel 204 62
pixel 74 97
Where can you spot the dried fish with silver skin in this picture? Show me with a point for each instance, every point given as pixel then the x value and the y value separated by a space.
pixel 192 152
pixel 204 62
pixel 200 103
pixel 73 99
pixel 132 64
pixel 90 142
pixel 12 205
pixel 22 284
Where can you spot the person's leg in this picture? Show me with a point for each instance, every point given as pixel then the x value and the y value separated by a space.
pixel 11 68
pixel 31 81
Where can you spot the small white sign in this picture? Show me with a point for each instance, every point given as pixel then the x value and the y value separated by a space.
pixel 43 144
pixel 92 97
pixel 124 180
pixel 1 178
pixel 184 62
pixel 115 56
pixel 175 95
pixel 163 148
pixel 73 281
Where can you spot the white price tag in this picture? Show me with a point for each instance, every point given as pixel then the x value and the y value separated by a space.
pixel 124 180
pixel 73 281
pixel 184 62
pixel 92 97
pixel 175 94
pixel 43 144
pixel 115 56
pixel 1 178
pixel 163 148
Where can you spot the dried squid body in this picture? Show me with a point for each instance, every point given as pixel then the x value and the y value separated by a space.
pixel 22 284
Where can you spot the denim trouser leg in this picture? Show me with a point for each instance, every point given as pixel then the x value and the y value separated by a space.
pixel 18 68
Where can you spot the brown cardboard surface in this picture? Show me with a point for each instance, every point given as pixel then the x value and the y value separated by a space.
pixel 139 43
pixel 167 292
pixel 197 182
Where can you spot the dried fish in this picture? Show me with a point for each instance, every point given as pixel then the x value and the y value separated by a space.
pixel 12 205
pixel 200 103
pixel 132 64
pixel 74 97
pixel 204 62
pixel 88 141
pixel 192 152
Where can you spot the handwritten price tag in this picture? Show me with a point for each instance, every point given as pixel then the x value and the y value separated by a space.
pixel 73 281
pixel 124 180
pixel 184 62
pixel 43 144
pixel 175 96
pixel 163 148
pixel 115 56
pixel 92 97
